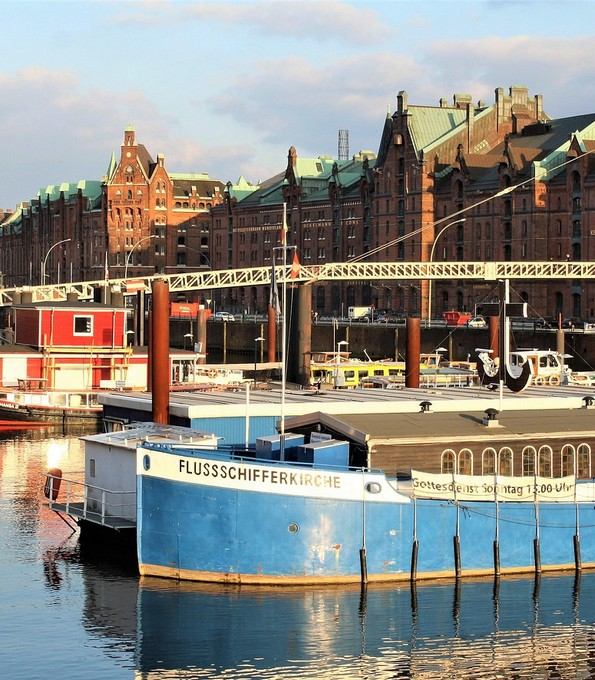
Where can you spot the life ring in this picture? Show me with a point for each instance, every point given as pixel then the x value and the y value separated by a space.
pixel 539 380
pixel 212 373
pixel 554 380
pixel 52 483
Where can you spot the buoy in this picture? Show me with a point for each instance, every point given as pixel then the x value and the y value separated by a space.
pixel 554 380
pixel 539 380
pixel 52 483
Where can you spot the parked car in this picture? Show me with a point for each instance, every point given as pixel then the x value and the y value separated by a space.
pixel 477 322
pixel 223 316
pixel 390 318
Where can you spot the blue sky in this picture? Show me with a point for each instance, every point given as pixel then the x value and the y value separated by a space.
pixel 227 87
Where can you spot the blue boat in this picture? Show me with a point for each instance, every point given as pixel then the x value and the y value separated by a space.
pixel 303 516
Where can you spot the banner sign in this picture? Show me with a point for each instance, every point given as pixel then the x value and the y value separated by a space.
pixel 491 488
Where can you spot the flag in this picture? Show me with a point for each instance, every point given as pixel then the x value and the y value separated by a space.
pixel 295 266
pixel 274 292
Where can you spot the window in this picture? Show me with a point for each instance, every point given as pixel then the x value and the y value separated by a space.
pixel 567 459
pixel 488 461
pixel 465 462
pixel 528 457
pixel 505 462
pixel 447 463
pixel 83 325
pixel 583 464
pixel 545 461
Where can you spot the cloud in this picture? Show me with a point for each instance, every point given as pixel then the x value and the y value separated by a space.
pixel 54 131
pixel 291 97
pixel 559 68
pixel 305 20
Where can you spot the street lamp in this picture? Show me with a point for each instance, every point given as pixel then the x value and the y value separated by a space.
pixel 444 228
pixel 339 345
pixel 144 238
pixel 256 341
pixel 45 259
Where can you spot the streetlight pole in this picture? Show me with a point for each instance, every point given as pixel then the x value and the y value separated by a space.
pixel 256 341
pixel 45 259
pixel 338 359
pixel 444 228
pixel 144 238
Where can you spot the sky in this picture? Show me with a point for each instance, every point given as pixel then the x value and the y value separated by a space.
pixel 227 88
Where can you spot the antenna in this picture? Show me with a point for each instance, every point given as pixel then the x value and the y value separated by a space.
pixel 343 150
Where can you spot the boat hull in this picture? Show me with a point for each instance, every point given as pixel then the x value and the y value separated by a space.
pixel 204 518
pixel 49 414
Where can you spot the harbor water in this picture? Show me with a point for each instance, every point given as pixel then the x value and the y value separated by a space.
pixel 69 612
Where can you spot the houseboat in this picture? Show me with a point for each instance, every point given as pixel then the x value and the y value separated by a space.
pixel 340 370
pixel 62 355
pixel 344 499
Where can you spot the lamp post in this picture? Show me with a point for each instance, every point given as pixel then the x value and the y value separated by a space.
pixel 144 238
pixel 45 259
pixel 256 341
pixel 338 358
pixel 444 228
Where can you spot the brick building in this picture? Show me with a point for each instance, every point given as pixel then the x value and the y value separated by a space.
pixel 328 216
pixel 144 218
pixel 437 165
pixel 522 182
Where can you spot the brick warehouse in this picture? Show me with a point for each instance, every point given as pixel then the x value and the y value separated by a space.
pixel 431 163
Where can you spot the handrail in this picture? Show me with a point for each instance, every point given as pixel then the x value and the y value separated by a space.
pixel 91 502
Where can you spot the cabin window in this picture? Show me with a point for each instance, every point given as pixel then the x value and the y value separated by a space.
pixel 447 462
pixel 583 461
pixel 528 457
pixel 505 461
pixel 465 462
pixel 92 467
pixel 83 325
pixel 545 461
pixel 488 461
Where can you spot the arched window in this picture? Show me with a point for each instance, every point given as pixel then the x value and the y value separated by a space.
pixel 465 462
pixel 528 461
pixel 576 305
pixel 576 182
pixel 559 297
pixel 488 461
pixel 505 462
pixel 567 460
pixel 546 459
pixel 320 297
pixel 445 306
pixel 583 461
pixel 447 461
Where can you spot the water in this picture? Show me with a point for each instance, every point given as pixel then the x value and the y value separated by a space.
pixel 69 614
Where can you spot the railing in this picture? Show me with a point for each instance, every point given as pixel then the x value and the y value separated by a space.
pixel 92 503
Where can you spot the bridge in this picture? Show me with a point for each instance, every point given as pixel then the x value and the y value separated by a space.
pixel 311 274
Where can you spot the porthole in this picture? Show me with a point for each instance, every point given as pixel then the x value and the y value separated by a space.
pixel 147 461
pixel 293 528
pixel 373 487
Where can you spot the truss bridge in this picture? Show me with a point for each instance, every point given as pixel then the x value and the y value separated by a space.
pixel 311 274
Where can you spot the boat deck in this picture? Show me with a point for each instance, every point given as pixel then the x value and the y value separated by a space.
pixel 79 513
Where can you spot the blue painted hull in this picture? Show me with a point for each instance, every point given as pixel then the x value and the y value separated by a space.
pixel 250 530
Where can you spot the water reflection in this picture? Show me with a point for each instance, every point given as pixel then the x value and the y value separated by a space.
pixel 514 628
